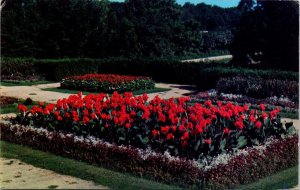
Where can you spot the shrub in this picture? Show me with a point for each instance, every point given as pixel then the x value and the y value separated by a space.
pixel 258 87
pixel 107 83
pixel 198 131
pixel 19 69
pixel 6 100
pixel 209 76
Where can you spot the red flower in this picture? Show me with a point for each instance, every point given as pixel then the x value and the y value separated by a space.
pixel 76 118
pixel 174 128
pixel 164 130
pixel 59 118
pixel 161 117
pixel 170 136
pixel 85 120
pixel 22 108
pixel 116 121
pixel 154 133
pixel 132 113
pixel 185 136
pixel 182 128
pixel 208 103
pixel 246 108
pixel 273 113
pixel 239 124
pixel 264 115
pixel 207 141
pixel 262 107
pixel 127 125
pixel 199 129
pixel 226 130
pixel 252 118
pixel 258 124
pixel 67 115
pixel 46 111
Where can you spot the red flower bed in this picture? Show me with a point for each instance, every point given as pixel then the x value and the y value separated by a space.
pixel 197 131
pixel 107 83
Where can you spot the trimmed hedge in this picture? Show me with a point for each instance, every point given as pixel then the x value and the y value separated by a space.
pixel 205 75
pixel 238 170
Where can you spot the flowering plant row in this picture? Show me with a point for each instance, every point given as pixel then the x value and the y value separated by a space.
pixel 226 171
pixel 198 131
pixel 107 83
pixel 258 87
pixel 214 95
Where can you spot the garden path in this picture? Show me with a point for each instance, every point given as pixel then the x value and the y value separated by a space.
pixel 37 93
pixel 206 59
pixel 15 174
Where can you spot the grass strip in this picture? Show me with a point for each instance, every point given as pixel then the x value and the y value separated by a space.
pixel 24 83
pixel 112 179
pixel 282 180
pixel 138 92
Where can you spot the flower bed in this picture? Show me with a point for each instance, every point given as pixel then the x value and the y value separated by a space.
pixel 259 88
pixel 226 171
pixel 198 131
pixel 270 102
pixel 107 83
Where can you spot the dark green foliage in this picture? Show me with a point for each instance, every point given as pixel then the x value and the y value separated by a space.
pixel 92 28
pixel 268 34
pixel 53 28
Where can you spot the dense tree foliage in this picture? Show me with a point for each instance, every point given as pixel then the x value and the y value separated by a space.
pixel 93 28
pixel 268 34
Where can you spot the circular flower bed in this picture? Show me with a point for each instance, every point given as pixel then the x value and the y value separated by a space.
pixel 107 83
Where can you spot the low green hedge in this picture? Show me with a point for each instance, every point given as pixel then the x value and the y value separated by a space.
pixel 205 75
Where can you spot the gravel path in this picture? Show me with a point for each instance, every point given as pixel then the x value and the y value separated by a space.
pixel 36 93
pixel 15 174
pixel 206 59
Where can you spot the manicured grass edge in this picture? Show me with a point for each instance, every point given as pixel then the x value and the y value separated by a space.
pixel 66 166
pixel 284 179
pixel 24 83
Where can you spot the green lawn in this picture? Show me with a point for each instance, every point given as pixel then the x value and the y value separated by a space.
pixel 24 83
pixel 13 108
pixel 138 92
pixel 112 179
pixel 282 180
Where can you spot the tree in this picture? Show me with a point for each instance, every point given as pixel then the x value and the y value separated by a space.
pixel 268 35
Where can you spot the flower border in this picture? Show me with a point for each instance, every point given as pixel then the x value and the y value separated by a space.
pixel 237 170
